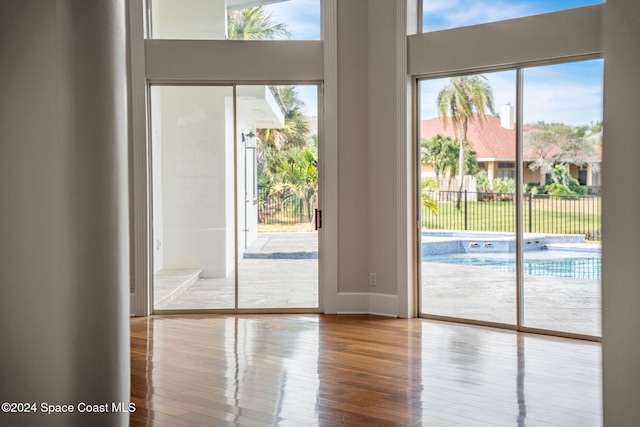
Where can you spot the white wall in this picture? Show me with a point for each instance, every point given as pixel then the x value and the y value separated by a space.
pixel 193 157
pixel 189 19
pixel 383 142
pixel 196 178
pixel 368 130
pixel 64 273
pixel 620 205
pixel 157 239
pixel 353 148
pixel 230 196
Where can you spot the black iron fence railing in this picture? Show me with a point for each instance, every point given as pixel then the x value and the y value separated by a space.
pixel 283 208
pixel 543 213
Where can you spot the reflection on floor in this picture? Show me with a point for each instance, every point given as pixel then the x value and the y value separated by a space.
pixel 322 370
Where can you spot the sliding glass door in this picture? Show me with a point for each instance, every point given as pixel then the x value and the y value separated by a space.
pixel 277 197
pixel 467 237
pixel 510 197
pixel 193 196
pixel 562 148
pixel 235 195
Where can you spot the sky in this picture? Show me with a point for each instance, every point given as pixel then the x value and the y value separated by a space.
pixel 302 17
pixel 568 93
pixel 445 14
pixel 309 95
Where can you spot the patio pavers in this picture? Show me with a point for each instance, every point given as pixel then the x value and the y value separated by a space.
pixel 279 271
pixel 275 276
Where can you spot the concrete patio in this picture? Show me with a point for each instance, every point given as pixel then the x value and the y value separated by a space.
pixel 280 270
pixel 484 294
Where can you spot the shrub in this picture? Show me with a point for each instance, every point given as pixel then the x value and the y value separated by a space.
pixel 534 189
pixel 504 185
pixel 556 189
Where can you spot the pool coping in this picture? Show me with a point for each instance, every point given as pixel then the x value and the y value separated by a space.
pixel 443 242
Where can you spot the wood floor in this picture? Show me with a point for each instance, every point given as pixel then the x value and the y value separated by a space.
pixel 317 370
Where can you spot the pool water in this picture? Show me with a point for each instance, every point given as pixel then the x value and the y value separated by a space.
pixel 577 265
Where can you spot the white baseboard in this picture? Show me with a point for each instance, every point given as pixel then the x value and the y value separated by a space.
pixel 367 303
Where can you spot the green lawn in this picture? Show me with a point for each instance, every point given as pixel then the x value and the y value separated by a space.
pixel 550 215
pixel 286 228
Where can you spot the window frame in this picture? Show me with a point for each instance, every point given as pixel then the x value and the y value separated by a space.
pixel 518 176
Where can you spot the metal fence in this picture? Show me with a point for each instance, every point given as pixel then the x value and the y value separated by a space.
pixel 283 208
pixel 543 213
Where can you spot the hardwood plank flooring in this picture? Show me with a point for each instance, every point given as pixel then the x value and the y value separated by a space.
pixel 321 370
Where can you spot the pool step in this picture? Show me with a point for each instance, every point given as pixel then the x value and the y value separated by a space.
pixel 171 283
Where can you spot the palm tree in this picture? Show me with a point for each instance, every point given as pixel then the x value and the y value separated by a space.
pixel 464 97
pixel 254 24
pixel 286 162
pixel 296 129
pixel 294 133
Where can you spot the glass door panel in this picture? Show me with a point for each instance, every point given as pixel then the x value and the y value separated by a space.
pixel 193 197
pixel 468 223
pixel 562 138
pixel 277 196
pixel 235 193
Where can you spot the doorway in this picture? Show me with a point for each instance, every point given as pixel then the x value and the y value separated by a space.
pixel 235 184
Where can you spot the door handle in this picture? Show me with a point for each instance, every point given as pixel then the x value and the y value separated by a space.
pixel 318 219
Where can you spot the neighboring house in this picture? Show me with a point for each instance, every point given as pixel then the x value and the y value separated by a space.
pixel 494 140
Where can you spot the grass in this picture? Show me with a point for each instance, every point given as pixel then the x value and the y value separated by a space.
pixel 286 228
pixel 552 215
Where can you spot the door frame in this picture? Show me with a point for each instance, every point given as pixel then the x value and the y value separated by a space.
pixel 149 303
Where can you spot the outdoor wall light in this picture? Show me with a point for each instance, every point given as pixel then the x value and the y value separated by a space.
pixel 249 138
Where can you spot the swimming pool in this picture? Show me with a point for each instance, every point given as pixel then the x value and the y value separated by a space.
pixel 577 265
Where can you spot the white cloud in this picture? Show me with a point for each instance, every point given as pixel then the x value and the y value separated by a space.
pixel 302 17
pixel 432 6
pixel 442 14
pixel 566 93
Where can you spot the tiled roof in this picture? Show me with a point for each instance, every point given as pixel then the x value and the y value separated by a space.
pixel 487 136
